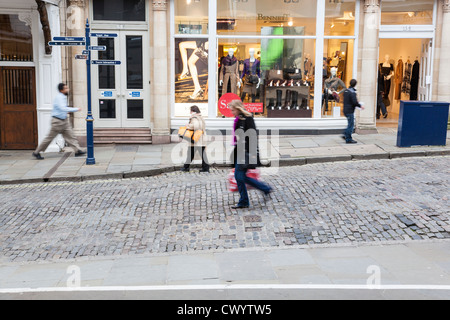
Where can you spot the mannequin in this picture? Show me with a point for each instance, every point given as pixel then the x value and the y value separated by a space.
pixel 387 70
pixel 308 65
pixel 332 85
pixel 252 68
pixel 229 73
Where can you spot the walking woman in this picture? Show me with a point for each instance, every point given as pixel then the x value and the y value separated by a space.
pixel 246 154
pixel 196 122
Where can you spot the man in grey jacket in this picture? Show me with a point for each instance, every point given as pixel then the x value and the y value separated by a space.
pixel 350 104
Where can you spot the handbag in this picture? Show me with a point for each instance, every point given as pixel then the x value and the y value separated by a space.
pixel 190 135
pixel 253 79
pixel 232 184
pixel 293 74
pixel 275 75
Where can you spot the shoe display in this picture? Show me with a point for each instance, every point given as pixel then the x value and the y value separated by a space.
pixel 279 105
pixel 287 102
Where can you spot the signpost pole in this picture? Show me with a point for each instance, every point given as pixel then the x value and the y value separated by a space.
pixel 90 119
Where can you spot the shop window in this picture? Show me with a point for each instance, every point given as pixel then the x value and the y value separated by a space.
pixel 15 39
pixel 337 74
pixel 407 12
pixel 273 77
pixel 191 75
pixel 191 16
pixel 251 17
pixel 340 18
pixel 119 10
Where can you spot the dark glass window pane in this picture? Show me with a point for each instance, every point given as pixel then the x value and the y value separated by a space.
pixel 134 63
pixel 107 74
pixel 107 109
pixel 15 39
pixel 135 109
pixel 119 10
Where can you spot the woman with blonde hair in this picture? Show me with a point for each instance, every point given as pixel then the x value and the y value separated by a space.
pixel 246 153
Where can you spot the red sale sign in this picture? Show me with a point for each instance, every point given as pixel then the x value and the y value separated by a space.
pixel 224 101
pixel 254 107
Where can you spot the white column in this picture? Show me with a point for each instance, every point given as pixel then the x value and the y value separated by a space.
pixel 160 68
pixel 76 21
pixel 444 61
pixel 369 69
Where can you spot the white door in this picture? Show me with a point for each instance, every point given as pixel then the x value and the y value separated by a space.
pixel 426 67
pixel 121 93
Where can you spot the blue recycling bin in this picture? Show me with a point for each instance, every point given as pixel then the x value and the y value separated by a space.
pixel 422 124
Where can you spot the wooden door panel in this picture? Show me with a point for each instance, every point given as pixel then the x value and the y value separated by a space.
pixel 18 114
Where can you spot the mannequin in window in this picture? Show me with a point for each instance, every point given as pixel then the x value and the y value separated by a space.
pixel 387 70
pixel 229 73
pixel 331 86
pixel 308 66
pixel 251 75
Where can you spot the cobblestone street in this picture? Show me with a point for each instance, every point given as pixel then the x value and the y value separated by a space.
pixel 347 202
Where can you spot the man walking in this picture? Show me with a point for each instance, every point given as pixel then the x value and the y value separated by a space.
pixel 60 124
pixel 350 104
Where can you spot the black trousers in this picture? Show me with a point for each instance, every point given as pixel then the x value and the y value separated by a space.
pixel 191 155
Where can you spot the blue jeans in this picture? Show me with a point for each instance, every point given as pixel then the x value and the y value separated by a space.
pixel 351 126
pixel 242 181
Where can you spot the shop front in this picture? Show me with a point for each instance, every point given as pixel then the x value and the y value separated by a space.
pixel 290 61
pixel 27 73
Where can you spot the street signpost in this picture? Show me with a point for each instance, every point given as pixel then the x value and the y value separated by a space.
pixel 97 48
pixel 86 42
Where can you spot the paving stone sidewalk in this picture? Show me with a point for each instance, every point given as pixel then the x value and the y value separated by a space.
pixel 125 161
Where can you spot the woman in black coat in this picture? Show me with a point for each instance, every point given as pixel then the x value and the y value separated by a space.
pixel 246 155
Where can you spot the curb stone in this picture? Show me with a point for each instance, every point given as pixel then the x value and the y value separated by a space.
pixel 281 163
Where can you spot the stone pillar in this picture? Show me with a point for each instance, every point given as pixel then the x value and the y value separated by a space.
pixel 76 22
pixel 444 61
pixel 369 68
pixel 160 81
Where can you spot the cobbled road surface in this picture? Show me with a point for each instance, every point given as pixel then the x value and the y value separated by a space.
pixel 321 204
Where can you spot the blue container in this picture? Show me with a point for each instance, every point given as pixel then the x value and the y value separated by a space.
pixel 422 124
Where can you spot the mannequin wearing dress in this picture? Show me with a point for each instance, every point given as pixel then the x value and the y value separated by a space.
pixel 332 85
pixel 387 70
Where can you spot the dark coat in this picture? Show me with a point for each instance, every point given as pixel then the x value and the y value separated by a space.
pixel 246 151
pixel 350 101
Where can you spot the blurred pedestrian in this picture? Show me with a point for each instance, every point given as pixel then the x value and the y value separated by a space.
pixel 246 153
pixel 61 124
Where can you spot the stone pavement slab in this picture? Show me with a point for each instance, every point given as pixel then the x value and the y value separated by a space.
pixel 19 166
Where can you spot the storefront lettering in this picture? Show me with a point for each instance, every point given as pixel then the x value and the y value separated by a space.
pixel 284 17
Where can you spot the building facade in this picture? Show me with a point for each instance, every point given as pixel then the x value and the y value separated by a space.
pixel 288 60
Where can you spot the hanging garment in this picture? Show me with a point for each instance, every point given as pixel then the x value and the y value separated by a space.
pixel 406 86
pixel 415 81
pixel 398 80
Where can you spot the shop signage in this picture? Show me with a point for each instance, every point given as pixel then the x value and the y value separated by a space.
pixel 106 94
pixel 283 18
pixel 134 94
pixel 254 107
pixel 224 101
